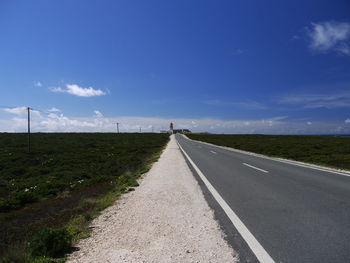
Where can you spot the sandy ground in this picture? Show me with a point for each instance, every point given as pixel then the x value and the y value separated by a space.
pixel 166 219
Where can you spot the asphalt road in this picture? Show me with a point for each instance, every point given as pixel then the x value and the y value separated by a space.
pixel 297 214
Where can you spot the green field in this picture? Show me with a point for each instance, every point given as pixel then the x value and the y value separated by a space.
pixel 65 180
pixel 332 151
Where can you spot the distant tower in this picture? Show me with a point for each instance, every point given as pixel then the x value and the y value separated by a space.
pixel 171 126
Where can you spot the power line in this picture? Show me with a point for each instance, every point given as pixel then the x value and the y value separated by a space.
pixel 23 108
pixel 28 110
pixel 46 112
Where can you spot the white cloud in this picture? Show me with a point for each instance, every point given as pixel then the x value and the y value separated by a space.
pixel 57 89
pixel 22 111
pixel 53 109
pixel 74 89
pixel 38 84
pixel 315 101
pixel 347 121
pixel 17 111
pixel 343 48
pixel 249 105
pixel 98 114
pixel 330 36
pixel 55 122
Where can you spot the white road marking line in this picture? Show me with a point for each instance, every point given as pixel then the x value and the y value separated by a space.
pixel 281 160
pixel 213 152
pixel 254 244
pixel 251 166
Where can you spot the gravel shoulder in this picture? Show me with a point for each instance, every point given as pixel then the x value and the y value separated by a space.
pixel 166 219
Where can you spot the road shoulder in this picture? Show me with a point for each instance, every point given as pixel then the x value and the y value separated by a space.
pixel 166 219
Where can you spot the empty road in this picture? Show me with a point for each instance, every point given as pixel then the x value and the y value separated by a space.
pixel 289 213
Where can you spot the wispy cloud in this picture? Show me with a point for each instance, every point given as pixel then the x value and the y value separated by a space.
pixel 53 109
pixel 329 36
pixel 38 84
pixel 22 111
pixel 16 111
pixel 98 114
pixel 250 105
pixel 238 52
pixel 74 89
pixel 347 121
pixel 313 101
pixel 54 122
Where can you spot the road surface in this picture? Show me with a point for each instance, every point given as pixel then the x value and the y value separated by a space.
pixel 293 213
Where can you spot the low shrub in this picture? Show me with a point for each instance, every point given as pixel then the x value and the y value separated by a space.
pixel 87 204
pixel 61 170
pixel 7 204
pixel 26 197
pixel 50 242
pixel 15 256
pixel 77 226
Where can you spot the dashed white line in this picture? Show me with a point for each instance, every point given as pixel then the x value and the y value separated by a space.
pixel 213 152
pixel 281 160
pixel 256 168
pixel 254 244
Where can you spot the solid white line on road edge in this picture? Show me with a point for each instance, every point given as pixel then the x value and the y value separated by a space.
pixel 213 152
pixel 254 244
pixel 256 168
pixel 281 160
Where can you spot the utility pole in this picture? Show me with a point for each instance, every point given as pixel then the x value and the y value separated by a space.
pixel 28 110
pixel 117 123
pixel 140 129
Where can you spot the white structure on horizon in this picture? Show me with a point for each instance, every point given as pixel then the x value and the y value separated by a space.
pixel 172 130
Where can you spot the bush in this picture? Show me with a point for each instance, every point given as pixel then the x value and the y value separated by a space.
pixel 17 200
pixel 8 204
pixel 87 204
pixel 15 256
pixel 26 197
pixel 77 226
pixel 50 242
pixel 72 166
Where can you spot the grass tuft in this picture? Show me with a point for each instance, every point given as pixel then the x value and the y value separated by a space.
pixel 50 242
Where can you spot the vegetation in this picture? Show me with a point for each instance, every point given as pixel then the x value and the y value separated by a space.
pixel 50 242
pixel 332 151
pixel 49 196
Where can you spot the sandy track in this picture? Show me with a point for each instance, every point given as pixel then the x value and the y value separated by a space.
pixel 166 219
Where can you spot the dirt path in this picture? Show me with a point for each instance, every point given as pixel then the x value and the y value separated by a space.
pixel 166 219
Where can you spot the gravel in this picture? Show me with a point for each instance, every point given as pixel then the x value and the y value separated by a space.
pixel 166 219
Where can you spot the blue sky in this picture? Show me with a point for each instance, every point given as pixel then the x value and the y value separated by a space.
pixel 220 66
